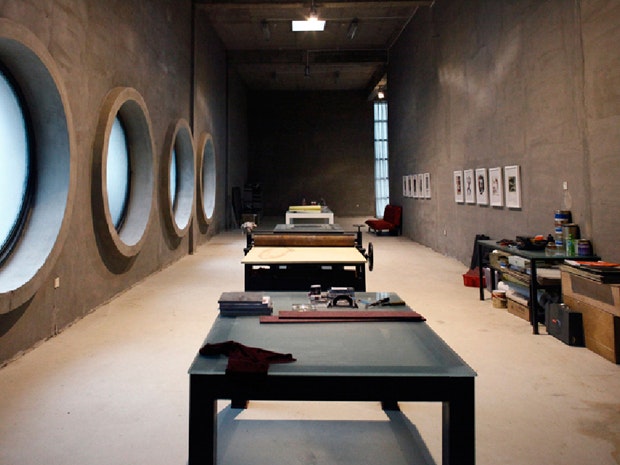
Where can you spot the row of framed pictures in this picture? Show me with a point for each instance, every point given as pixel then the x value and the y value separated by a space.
pixel 489 187
pixel 417 186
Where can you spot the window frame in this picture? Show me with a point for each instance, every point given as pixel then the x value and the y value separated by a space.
pixel 381 159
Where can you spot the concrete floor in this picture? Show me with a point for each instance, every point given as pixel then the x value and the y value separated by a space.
pixel 113 388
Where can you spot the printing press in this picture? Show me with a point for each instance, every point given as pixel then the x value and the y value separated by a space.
pixel 296 257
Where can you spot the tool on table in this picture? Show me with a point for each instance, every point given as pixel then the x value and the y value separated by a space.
pixel 384 302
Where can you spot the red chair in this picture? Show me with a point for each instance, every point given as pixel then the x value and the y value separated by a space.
pixel 391 221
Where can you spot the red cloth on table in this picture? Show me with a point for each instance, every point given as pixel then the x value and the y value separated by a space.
pixel 245 359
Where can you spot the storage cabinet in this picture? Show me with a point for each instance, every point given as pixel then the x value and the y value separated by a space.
pixel 600 306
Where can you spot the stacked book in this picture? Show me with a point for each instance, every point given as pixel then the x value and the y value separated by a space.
pixel 245 303
pixel 599 271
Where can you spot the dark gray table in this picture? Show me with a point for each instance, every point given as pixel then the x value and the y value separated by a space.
pixel 535 257
pixel 364 361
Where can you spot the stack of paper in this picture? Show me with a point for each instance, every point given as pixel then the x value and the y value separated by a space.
pixel 305 208
pixel 245 303
pixel 599 271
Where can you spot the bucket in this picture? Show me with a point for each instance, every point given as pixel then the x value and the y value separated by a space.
pixel 562 216
pixel 499 299
pixel 584 247
pixel 570 229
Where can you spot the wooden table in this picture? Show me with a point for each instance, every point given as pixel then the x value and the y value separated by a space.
pixel 323 214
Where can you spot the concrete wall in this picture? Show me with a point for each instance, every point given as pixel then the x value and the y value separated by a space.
pixel 491 83
pixel 145 45
pixel 313 145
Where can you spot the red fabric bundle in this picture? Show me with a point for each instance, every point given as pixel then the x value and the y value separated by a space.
pixel 245 359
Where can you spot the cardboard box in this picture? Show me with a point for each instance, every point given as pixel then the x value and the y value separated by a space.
pixel 518 309
pixel 604 296
pixel 599 305
pixel 498 259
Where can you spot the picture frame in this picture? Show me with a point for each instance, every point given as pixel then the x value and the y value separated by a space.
pixel 427 185
pixel 482 186
pixel 496 187
pixel 459 196
pixel 469 186
pixel 512 186
pixel 415 190
pixel 420 185
pixel 405 186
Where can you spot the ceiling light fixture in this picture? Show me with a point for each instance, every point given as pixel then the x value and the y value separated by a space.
pixel 312 22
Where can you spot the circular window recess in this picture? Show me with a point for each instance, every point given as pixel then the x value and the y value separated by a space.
pixel 120 244
pixel 178 176
pixel 207 177
pixel 44 98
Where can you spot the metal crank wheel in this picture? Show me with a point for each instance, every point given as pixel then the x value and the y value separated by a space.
pixel 370 256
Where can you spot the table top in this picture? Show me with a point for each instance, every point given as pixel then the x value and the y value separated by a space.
pixel 539 255
pixel 309 228
pixel 303 255
pixel 362 349
pixel 323 209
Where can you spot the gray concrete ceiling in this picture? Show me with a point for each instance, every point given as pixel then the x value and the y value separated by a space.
pixel 350 54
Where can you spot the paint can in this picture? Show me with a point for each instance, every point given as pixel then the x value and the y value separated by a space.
pixel 570 229
pixel 584 247
pixel 499 299
pixel 562 216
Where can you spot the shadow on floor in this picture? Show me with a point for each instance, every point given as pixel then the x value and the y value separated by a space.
pixel 394 441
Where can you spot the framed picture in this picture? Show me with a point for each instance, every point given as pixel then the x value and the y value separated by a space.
pixel 469 186
pixel 420 185
pixel 512 186
pixel 482 189
pixel 405 186
pixel 427 185
pixel 496 187
pixel 458 187
pixel 415 190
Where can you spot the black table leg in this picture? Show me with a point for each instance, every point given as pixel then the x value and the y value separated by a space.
pixel 480 272
pixel 534 296
pixel 202 426
pixel 459 434
pixel 390 405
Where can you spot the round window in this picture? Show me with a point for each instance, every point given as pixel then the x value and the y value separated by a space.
pixel 178 175
pixel 32 109
pixel 14 166
pixel 122 178
pixel 208 177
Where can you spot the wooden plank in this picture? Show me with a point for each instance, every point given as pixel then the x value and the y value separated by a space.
pixel 303 240
pixel 601 329
pixel 301 255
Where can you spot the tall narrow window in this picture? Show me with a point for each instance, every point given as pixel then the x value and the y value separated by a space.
pixel 14 165
pixel 382 178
